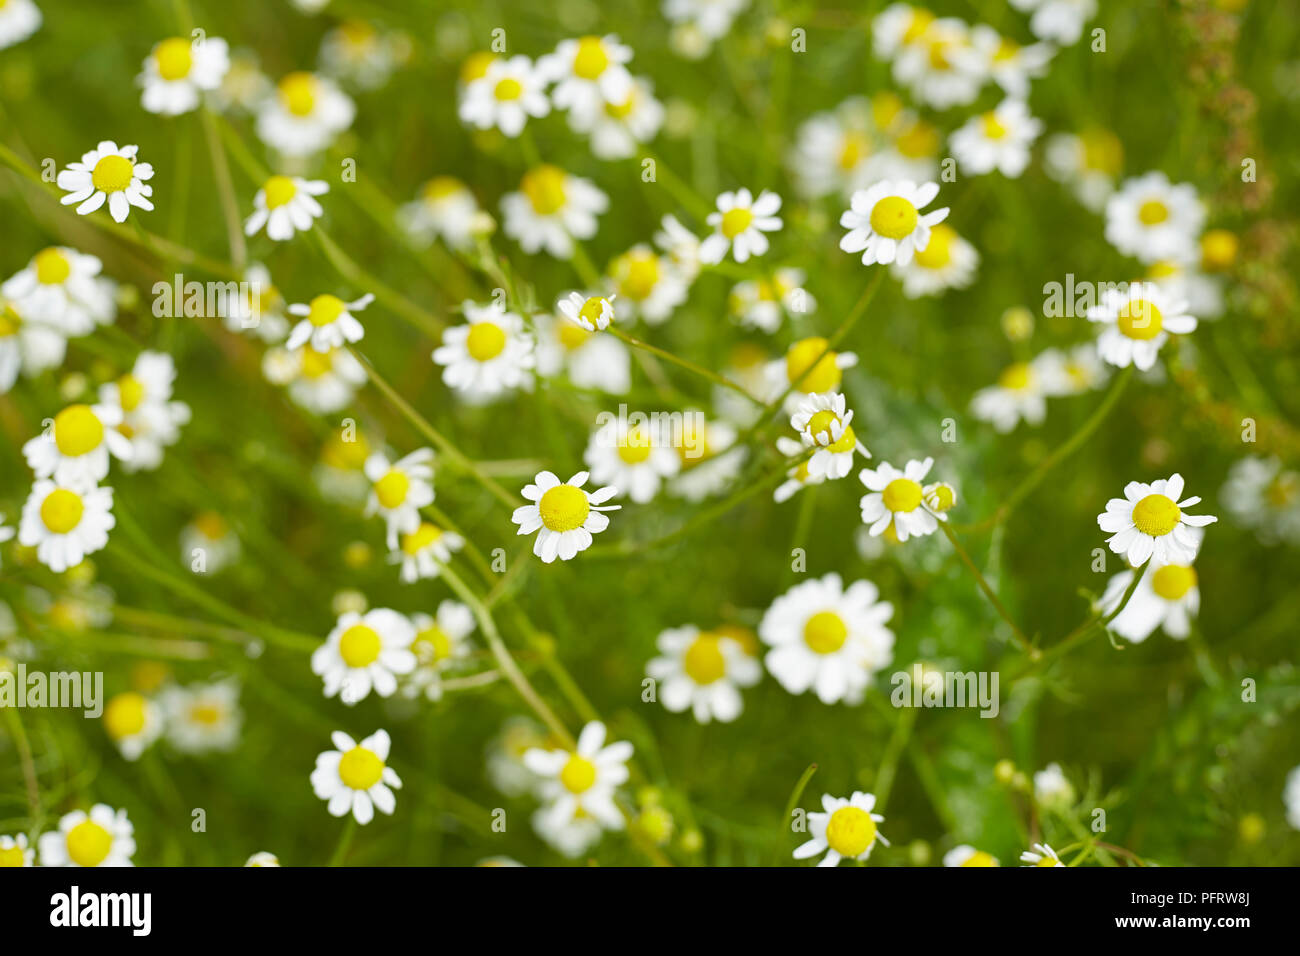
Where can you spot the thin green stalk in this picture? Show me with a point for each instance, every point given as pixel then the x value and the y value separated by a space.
pixel 700 370
pixel 984 586
pixel 800 785
pixel 226 192
pixel 345 841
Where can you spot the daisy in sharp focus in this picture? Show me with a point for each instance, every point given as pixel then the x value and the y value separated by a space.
pixel 26 347
pixel 618 128
pixel 304 115
pixel 327 322
pixel 19 19
pixel 1139 320
pixel 647 284
pixel 15 852
pixel 700 671
pixel 583 779
pixel 102 837
pixel 75 448
pixel 203 717
pixel 107 174
pixel 422 551
pixel 364 652
pixel 592 312
pixel 635 459
pixel 1150 218
pixel 551 209
pixel 441 643
pixel 179 69
pixel 62 288
pixel 885 222
pixel 899 498
pixel 947 262
pixel 823 424
pixel 355 778
pixel 509 92
pixel 563 515
pixel 588 73
pixel 1020 394
pixel 998 139
pixel 1040 855
pixel 445 209
pixel 488 356
pixel 966 855
pixel 399 490
pixel 828 638
pixel 846 830
pixel 740 226
pixel 1149 522
pixel 285 205
pixel 1166 597
pixel 133 722
pixel 591 361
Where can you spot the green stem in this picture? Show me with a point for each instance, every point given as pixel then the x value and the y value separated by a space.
pixel 984 586
pixel 700 370
pixel 800 785
pixel 345 841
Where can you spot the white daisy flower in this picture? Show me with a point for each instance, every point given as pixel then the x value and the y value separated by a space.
pixel 846 830
pixel 210 537
pixel 26 347
pixel 564 515
pixel 966 855
pixel 711 459
pixel 150 420
pixel 572 836
pixel 840 151
pixel 1262 495
pixel 739 226
pixel 1020 394
pixel 440 644
pixel 133 722
pixel 445 209
pixel 618 128
pixel 179 69
pixel 19 19
pixel 505 755
pixel 321 382
pixel 1051 786
pixel 589 73
pixel 424 550
pixel 102 837
pixel 305 115
pixel 762 303
pixel 62 288
pixel 1166 597
pixel 810 367
pixel 1060 21
pixel 1149 522
pixel 1184 280
pixel 947 262
pixel 591 361
pixel 828 639
pixel 647 284
pixel 1010 65
pixel 14 850
pixel 941 68
pixel 327 322
pixel 1040 855
pixel 885 222
pixel 712 18
pixel 913 153
pixel 681 245
pixel 583 779
pixel 593 313
pixel 262 858
pixel 701 671
pixel 899 498
pixel 399 490
pixel 488 356
pixel 1150 218
pixel 899 25
pixel 260 308
pixel 635 459
pixel 355 778
pixel 797 476
pixel 364 652
pixel 551 209
pixel 823 423
pixel 203 717
pixel 999 139
pixel 285 205
pixel 74 450
pixel 107 174
pixel 1088 163
pixel 357 52
pixel 1139 320
pixel 1071 372
pixel 509 91
pixel 244 86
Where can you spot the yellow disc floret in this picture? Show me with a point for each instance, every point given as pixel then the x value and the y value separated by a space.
pixel 174 58
pixel 578 774
pixel 124 715
pixel 591 59
pixel 938 251
pixel 1140 319
pixel 893 217
pixel 735 221
pixel 279 191
pixel 77 430
pixel 1156 515
pixel 823 377
pixel 298 93
pixel 703 660
pixel 544 187
pixel 902 494
pixel 391 490
pixel 360 769
pixel 52 266
pixel 564 508
pixel 89 843
pixel 825 632
pixel 850 831
pixel 1172 581
pixel 113 173
pixel 359 646
pixel 485 341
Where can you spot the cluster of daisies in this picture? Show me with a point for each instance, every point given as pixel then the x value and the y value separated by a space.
pixel 193 718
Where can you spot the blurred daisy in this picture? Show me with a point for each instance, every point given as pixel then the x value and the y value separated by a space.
pixel 681 245
pixel 399 490
pixel 209 542
pixel 797 476
pixel 327 322
pixel 107 174
pixel 618 128
pixel 1071 372
pixel 711 459
pixel 947 262
pixel 1040 855
pixel 1166 597
pixel 74 450
pixel 445 209
pixel 564 515
pixel 15 852
pixel 505 755
pixel 583 779
pixel 355 778
pixel 260 308
pixel 966 855
pixel 1150 218
pixel 489 355
pixel 913 154
pixel 885 222
pixel 1138 320
pixel 941 68
pixel 591 361
pixel 999 139
pixel 646 284
pixel 203 717
pixel 837 151
pixel 178 69
pixel 1019 395
pixel 491 861
pixel 899 498
pixel 26 347
pixel 285 205
pixel 340 473
pixel 321 382
pixel 423 550
pixel 1183 280
pixel 1149 522
pixel 739 226
pixel 898 26
pixel 304 115
pixel 62 288
pixel 102 837
pixel 701 671
pixel 827 638
pixel 440 644
pixel 133 722
pixel 19 19
pixel 509 91
pixel 552 209
pixel 244 86
pixel 634 459
pixel 1088 163
pixel 1262 495
pixel 712 18
pixel 1052 787
pixel 571 836
pixel 847 830
pixel 810 367
pixel 1008 64
pixel 364 652
pixel 355 51
pixel 593 312
pixel 150 420
pixel 762 303
pixel 823 424
pixel 1060 21
pixel 263 859
pixel 588 73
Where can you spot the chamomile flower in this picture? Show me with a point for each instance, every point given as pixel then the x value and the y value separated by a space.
pixel 355 778
pixel 762 303
pixel 998 139
pixel 321 382
pixel 179 69
pixel 618 128
pixel 399 490
pixel 590 360
pixel 885 222
pixel 582 779
pixel 19 19
pixel 62 288
pixel 711 459
pixel 1262 495
pixel 244 86
pixel 810 367
pixel 305 114
pixel 564 515
pixel 913 154
pixel 509 91
pixel 445 209
pixel 828 638
pixel 941 68
pixel 327 322
pixel 589 73
pixel 208 543
pixel 947 262
pixel 647 284
pixel 711 18
pixel 701 671
pixel 847 830
pixel 1149 522
pixel 1060 21
pixel 898 26
pixel 570 835
pixel 1052 787
pixel 285 205
pixel 133 722
pixel 14 851
pixel 823 423
pixel 551 209
pixel 1071 372
pixel 357 52
pixel 150 420
pixel 260 308
pixel 1020 394
pixel 797 476
pixel 740 226
pixel 899 498
pixel 263 858
pixel 1040 854
pixel 592 312
pixel 102 837
pixel 966 855
pixel 365 652
pixel 75 449
pixel 1008 64
pixel 838 151
pixel 1089 163
pixel 1139 320
pixel 1166 597
pixel 26 347
pixel 203 717
pixel 1184 280
pixel 441 643
pixel 505 755
pixel 107 174
pixel 1150 218
pixel 424 550
pixel 488 356
pixel 635 459
pixel 681 245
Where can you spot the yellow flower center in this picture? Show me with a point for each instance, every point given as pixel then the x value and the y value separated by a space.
pixel 743 636
pixel 10 321
pixel 279 190
pixel 89 843
pixel 1282 490
pixel 174 58
pixel 821 426
pixel 854 148
pixel 703 661
pixel 1153 212
pixel 1006 51
pixel 485 341
pixel 918 23
pixel 591 59
pixel 1218 249
pixel 938 251
pixel 943 498
pixel 893 217
pixel 316 364
pixel 639 275
pixel 622 110
pixel 346 455
pixel 1047 860
pixel 1156 515
pixel 211 525
pixel 823 377
pixel 206 714
pixel 298 93
pixel 359 646
pixel 564 508
pixel 432 644
pixel 735 221
pixel 919 139
pixel 939 54
pixel 112 174
pixel 14 855
pixel 360 769
pixel 130 391
pixel 825 632
pixel 508 89
pixel 980 858
pixel 440 187
pixel 325 309
pixel 544 187
pixel 476 66
pixel 420 538
pixel 850 831
pixel 572 335
pixel 52 266
pixel 1016 377
pixel 993 127
pixel 391 490
pixel 1140 319
pixel 578 774
pixel 634 447
pixel 593 309
pixel 902 494
pixel 77 430
pixel 125 715
pixel 1173 581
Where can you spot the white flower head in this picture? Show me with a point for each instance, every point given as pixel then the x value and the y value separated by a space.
pixel 327 322
pixel 1151 218
pixel 150 420
pixel 321 382
pixel 1060 21
pixel 488 356
pixel 701 671
pixel 399 490
pixel 846 830
pixel 591 361
pixel 179 69
pixel 998 139
pixel 590 73
pixel 505 96
pixel 551 209
pixel 364 652
pixel 355 778
pixel 445 209
pixel 1167 597
pixel 107 174
pixel 941 67
pixel 26 346
pixel 583 779
pixel 591 312
pixel 947 262
pixel 618 128
pixel 202 718
pixel 740 226
pixel 563 515
pixel 634 458
pixel 19 19
pixel 647 284
pixel 263 858
pixel 762 303
pixel 899 498
pixel 1020 394
pixel 64 524
pixel 286 205
pixel 75 448
pixel 423 551
pixel 885 222
pixel 1040 855
pixel 1138 320
pixel 15 852
pixel 823 423
pixel 102 837
pixel 133 722
pixel 1010 65
pixel 1149 522
pixel 967 855
pixel 304 115
pixel 441 642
